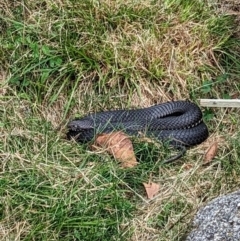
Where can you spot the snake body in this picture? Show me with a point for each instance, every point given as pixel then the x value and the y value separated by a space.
pixel 179 122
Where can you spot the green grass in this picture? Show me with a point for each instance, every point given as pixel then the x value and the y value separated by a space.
pixel 61 60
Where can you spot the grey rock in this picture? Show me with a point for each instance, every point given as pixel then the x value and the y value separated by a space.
pixel 219 220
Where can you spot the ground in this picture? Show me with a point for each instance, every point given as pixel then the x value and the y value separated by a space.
pixel 63 59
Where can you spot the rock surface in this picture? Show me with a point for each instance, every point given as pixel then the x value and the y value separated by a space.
pixel 219 220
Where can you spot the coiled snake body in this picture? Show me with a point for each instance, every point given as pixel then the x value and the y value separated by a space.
pixel 179 122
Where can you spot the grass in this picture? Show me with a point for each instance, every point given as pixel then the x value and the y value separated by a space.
pixel 63 59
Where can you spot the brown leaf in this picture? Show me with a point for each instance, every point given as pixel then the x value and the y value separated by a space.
pixel 151 189
pixel 235 95
pixel 211 153
pixel 187 166
pixel 119 145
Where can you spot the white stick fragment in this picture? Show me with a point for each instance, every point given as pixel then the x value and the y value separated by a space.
pixel 220 103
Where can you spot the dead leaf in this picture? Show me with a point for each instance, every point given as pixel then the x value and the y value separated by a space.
pixel 187 166
pixel 151 189
pixel 119 145
pixel 235 95
pixel 211 153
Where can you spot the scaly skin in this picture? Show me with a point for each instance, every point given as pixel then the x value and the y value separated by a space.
pixel 178 122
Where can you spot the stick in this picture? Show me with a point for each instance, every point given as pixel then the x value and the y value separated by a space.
pixel 220 103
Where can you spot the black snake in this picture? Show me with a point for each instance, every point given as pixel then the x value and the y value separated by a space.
pixel 178 122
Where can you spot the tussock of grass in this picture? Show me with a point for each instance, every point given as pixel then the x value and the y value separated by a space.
pixel 125 46
pixel 63 59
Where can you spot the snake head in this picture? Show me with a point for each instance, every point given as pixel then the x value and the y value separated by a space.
pixel 81 130
pixel 79 125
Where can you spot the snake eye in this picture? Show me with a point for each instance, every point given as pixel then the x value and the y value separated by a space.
pixel 73 127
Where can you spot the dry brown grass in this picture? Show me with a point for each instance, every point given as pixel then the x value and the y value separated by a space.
pixel 168 60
